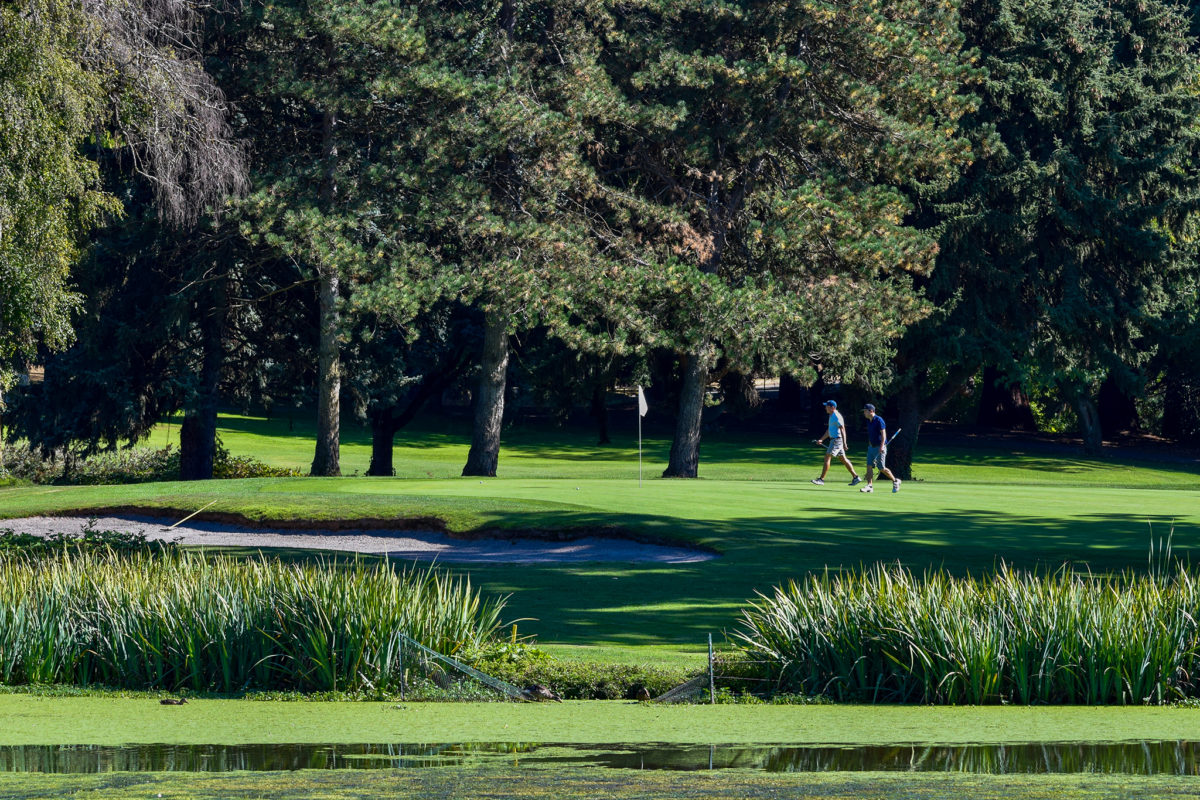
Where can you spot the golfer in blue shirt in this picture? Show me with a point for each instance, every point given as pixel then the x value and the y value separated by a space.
pixel 877 449
pixel 836 434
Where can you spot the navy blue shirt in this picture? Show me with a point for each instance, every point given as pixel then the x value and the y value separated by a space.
pixel 875 431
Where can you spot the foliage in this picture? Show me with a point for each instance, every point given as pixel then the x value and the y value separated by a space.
pixel 885 635
pixel 127 465
pixel 88 540
pixel 1069 238
pixel 213 623
pixel 584 680
pixel 77 80
pixel 49 190
pixel 757 162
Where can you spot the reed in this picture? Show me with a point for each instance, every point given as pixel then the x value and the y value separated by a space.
pixel 887 635
pixel 192 621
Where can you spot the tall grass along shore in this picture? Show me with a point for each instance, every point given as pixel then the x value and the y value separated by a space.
pixel 193 621
pixel 888 635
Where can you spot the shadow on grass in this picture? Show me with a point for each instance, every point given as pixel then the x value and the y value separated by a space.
pixel 638 605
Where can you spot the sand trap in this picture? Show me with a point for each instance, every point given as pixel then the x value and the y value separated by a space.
pixel 425 545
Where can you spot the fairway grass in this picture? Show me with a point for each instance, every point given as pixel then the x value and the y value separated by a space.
pixel 754 505
pixel 585 784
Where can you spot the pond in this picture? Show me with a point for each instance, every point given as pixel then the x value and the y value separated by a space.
pixel 1133 758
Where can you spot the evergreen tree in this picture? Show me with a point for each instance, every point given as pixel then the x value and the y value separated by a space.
pixel 1059 240
pixel 754 169
pixel 513 98
pixel 329 86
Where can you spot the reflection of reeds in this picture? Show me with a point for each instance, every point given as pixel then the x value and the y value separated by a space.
pixel 887 635
pixel 1127 758
pixel 203 623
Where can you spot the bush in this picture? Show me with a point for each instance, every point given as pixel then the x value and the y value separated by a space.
pixel 127 465
pixel 88 540
pixel 585 680
pixel 886 635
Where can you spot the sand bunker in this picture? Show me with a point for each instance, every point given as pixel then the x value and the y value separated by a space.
pixel 403 544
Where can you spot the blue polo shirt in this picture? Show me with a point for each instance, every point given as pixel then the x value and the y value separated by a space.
pixel 875 431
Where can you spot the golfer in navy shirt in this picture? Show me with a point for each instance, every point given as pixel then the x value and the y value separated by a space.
pixel 877 450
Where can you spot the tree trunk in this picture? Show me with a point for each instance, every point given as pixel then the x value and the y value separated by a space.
pixel 600 412
pixel 327 458
pixel 792 396
pixel 383 439
pixel 908 421
pixel 198 433
pixel 1089 424
pixel 1181 408
pixel 484 455
pixel 740 394
pixel 685 447
pixel 1003 404
pixel 1115 408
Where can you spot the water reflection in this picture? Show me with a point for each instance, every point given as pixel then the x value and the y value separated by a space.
pixel 1134 758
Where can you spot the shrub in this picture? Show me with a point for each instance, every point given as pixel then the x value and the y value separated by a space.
pixel 585 680
pixel 885 635
pixel 87 540
pixel 127 465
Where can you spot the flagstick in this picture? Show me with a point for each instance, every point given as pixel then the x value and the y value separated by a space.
pixel 639 448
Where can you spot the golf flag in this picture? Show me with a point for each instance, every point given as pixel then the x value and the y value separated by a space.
pixel 642 409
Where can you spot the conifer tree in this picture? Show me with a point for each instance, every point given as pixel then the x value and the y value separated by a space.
pixel 1058 242
pixel 512 100
pixel 756 168
pixel 329 86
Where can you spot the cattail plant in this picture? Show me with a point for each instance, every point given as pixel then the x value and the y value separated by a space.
pixel 887 635
pixel 195 621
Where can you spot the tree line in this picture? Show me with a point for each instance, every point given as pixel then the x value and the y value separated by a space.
pixel 304 202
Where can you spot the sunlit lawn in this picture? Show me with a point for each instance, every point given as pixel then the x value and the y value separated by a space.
pixel 753 503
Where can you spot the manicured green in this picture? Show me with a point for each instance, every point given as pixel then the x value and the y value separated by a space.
pixel 974 507
pixel 30 719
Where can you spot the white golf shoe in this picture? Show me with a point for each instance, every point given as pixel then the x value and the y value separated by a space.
pixel 896 485
pixel 867 489
pixel 818 481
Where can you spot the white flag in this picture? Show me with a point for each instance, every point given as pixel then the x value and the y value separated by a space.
pixel 642 407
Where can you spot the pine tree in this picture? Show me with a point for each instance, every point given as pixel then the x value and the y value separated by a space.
pixel 330 87
pixel 1058 241
pixel 755 171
